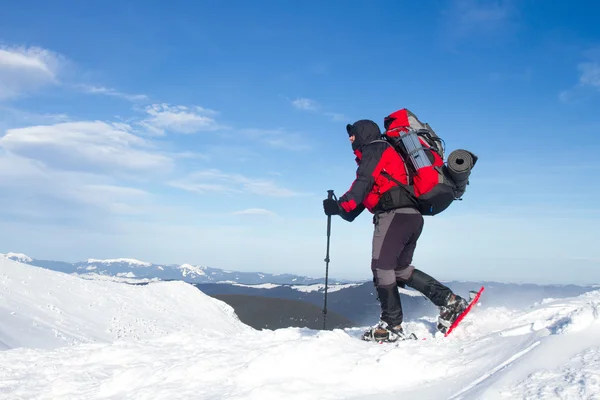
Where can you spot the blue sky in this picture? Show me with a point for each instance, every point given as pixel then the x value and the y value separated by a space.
pixel 209 132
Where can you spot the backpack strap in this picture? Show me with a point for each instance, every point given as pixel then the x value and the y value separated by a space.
pixel 409 189
pixel 409 174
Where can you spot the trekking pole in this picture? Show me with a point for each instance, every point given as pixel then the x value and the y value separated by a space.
pixel 329 197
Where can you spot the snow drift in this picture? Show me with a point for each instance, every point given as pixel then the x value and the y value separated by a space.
pixel 172 341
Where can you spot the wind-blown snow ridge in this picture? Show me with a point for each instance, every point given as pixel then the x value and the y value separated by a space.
pixel 131 261
pixel 17 257
pixel 198 349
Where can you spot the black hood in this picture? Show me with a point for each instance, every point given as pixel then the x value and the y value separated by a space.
pixel 365 131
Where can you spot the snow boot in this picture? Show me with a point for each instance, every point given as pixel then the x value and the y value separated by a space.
pixel 455 305
pixel 382 332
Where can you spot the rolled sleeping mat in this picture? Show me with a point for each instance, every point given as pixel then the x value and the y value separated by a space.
pixel 460 163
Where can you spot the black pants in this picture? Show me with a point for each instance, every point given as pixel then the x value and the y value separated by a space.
pixel 395 239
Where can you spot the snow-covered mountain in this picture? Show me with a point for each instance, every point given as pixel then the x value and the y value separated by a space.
pixel 132 269
pixel 66 337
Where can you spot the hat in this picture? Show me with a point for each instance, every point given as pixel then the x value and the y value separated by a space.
pixel 349 128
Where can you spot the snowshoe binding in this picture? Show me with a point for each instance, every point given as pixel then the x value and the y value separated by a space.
pixel 455 310
pixel 382 332
pixel 450 312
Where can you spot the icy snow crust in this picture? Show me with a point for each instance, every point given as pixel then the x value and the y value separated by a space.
pixel 67 337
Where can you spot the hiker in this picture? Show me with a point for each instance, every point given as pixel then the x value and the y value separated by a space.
pixel 396 231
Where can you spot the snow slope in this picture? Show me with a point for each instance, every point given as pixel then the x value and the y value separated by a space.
pixel 198 349
pixel 45 309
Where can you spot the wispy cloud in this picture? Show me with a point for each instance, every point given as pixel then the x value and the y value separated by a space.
pixel 254 212
pixel 179 119
pixel 31 188
pixel 305 104
pixel 10 116
pixel 114 199
pixel 27 69
pixel 85 144
pixel 523 76
pixel 216 181
pixel 590 74
pixel 589 80
pixel 482 14
pixel 279 138
pixel 338 117
pixel 191 155
pixel 112 92
pixel 24 70
pixel 464 19
pixel 310 105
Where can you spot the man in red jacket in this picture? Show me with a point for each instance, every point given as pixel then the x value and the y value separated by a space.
pixel 396 231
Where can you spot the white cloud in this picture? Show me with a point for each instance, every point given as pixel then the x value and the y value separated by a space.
pixel 254 211
pixel 482 14
pixel 337 117
pixel 112 92
pixel 305 104
pixel 30 188
pixel 84 144
pixel 590 74
pixel 112 198
pixel 191 155
pixel 180 119
pixel 216 181
pixel 24 70
pixel 13 118
pixel 310 105
pixel 492 19
pixel 200 187
pixel 589 83
pixel 279 138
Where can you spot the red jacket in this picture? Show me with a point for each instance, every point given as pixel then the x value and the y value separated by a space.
pixel 374 156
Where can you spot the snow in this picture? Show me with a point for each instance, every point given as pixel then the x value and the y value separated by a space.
pixel 410 292
pixel 130 261
pixel 126 275
pixel 256 286
pixel 65 337
pixel 40 308
pixel 187 269
pixel 320 287
pixel 121 277
pixel 17 257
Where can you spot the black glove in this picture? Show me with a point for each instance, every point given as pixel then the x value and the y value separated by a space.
pixel 331 207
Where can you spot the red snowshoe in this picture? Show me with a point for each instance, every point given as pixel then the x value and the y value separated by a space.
pixel 453 313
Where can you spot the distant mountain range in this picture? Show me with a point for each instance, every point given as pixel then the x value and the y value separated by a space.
pixel 270 300
pixel 126 268
pixel 358 302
